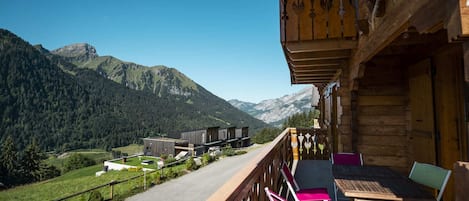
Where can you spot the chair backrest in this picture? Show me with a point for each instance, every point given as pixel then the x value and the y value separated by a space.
pixel 273 196
pixel 347 159
pixel 289 177
pixel 290 180
pixel 431 176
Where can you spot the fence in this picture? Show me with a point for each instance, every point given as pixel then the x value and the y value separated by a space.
pixel 110 184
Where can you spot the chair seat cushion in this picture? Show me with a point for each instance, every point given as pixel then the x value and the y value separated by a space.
pixel 313 194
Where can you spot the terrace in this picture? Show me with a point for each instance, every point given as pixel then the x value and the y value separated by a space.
pixel 264 170
pixel 393 79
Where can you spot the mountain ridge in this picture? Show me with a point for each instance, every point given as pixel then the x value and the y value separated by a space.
pixel 275 111
pixel 62 106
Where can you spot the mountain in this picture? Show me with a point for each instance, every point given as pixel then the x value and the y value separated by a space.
pixel 275 111
pixel 160 80
pixel 44 95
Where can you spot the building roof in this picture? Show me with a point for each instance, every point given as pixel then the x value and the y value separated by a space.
pixel 164 139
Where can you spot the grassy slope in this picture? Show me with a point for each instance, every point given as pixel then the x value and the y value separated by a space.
pixel 79 180
pixel 131 149
pixel 67 184
pixel 82 179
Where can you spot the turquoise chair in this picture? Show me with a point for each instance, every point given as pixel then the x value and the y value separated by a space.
pixel 431 176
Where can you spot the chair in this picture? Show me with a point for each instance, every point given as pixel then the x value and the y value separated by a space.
pixel 302 194
pixel 344 158
pixel 273 196
pixel 347 159
pixel 431 176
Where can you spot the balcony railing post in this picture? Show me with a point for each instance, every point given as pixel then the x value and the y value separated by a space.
pixel 294 143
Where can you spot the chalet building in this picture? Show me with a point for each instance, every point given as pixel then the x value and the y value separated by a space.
pixel 242 134
pixel 167 146
pixel 393 78
pixel 205 137
pixel 228 136
pixel 197 142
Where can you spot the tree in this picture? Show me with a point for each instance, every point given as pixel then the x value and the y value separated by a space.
pixel 266 135
pixel 48 172
pixel 77 161
pixel 9 156
pixel 31 162
pixel 302 120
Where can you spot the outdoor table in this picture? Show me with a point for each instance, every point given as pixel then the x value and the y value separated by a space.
pixel 376 183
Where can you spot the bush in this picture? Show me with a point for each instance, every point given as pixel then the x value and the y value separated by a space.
pixel 169 160
pixel 48 172
pixel 190 164
pixel 171 173
pixel 241 152
pixel 206 159
pixel 228 151
pixel 95 196
pixel 77 161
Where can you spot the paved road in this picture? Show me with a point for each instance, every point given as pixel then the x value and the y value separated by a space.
pixel 198 185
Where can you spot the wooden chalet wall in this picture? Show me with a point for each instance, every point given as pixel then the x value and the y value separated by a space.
pixel 336 104
pixel 382 106
pixel 401 93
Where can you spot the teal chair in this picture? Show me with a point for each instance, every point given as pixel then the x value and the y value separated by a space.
pixel 431 176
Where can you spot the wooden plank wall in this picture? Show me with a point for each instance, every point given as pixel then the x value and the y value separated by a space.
pixel 449 106
pixel 309 20
pixel 344 139
pixel 382 114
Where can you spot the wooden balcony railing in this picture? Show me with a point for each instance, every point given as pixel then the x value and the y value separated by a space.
pixel 313 144
pixel 264 170
pixel 304 20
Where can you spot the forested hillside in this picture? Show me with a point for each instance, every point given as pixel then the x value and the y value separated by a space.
pixel 64 107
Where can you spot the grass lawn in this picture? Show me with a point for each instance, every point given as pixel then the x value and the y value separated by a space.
pixel 83 179
pixel 135 161
pixel 79 180
pixel 131 149
pixel 98 155
pixel 72 182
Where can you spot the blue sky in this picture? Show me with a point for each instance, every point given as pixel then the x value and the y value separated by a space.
pixel 231 48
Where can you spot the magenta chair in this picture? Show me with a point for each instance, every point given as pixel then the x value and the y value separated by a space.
pixel 347 159
pixel 273 196
pixel 302 194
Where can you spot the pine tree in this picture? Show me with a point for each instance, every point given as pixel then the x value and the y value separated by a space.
pixel 31 162
pixel 9 158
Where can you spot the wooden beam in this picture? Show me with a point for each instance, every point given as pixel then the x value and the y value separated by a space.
pixel 328 71
pixel 315 68
pixel 392 25
pixel 320 45
pixel 328 62
pixel 457 22
pixel 322 74
pixel 311 56
pixel 314 77
pixel 315 82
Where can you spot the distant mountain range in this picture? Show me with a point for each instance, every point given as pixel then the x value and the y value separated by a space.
pixel 73 98
pixel 275 111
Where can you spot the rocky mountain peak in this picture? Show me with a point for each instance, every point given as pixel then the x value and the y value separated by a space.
pixel 275 111
pixel 81 51
pixel 41 48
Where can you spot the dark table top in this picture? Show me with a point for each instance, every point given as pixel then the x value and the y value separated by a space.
pixel 377 182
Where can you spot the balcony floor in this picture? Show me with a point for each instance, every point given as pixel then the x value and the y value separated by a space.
pixel 316 174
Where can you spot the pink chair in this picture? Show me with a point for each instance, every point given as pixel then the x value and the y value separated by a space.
pixel 273 196
pixel 302 194
pixel 347 159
